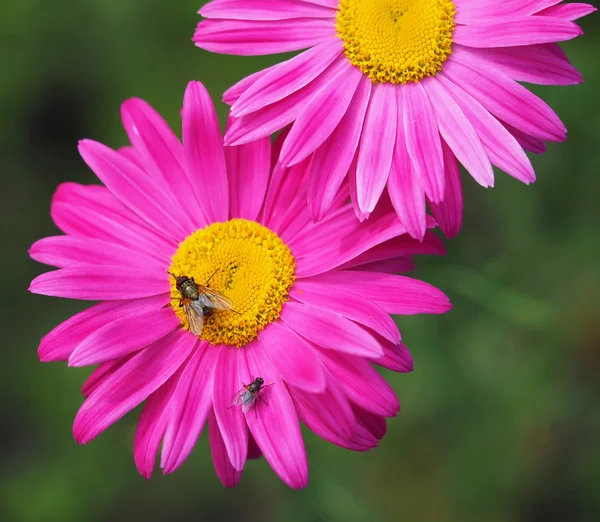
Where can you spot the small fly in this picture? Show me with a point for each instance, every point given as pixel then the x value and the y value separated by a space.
pixel 249 394
pixel 198 301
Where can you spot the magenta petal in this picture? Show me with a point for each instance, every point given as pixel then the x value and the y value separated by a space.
pixel 571 11
pixel 260 37
pixel 203 148
pixel 405 190
pixel 515 31
pixel 320 116
pixel 347 304
pixel 423 139
pixel 100 283
pixel 92 212
pixel 248 170
pixel 58 344
pixel 459 134
pixel 190 406
pixel 275 427
pixel 374 424
pixel 152 425
pixel 330 330
pixel 503 97
pixel 394 293
pixel 396 357
pixel 228 475
pixel 448 213
pixel 292 357
pixel 361 383
pixel 332 160
pixel 326 412
pixel 131 384
pixel 231 95
pixel 253 449
pixel 136 190
pixel 127 334
pixel 264 10
pixel 376 146
pixel 101 373
pixel 227 383
pixel 502 148
pixel 287 78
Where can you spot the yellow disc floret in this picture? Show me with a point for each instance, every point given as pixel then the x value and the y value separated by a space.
pixel 396 41
pixel 252 266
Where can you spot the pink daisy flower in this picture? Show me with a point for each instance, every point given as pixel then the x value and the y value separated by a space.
pixel 294 319
pixel 394 92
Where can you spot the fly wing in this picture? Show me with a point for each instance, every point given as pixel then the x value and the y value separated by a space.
pixel 213 299
pixel 248 401
pixel 195 317
pixel 238 398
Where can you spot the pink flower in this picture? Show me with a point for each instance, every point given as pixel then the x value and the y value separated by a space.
pixel 311 302
pixel 395 92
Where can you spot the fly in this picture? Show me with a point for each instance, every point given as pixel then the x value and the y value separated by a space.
pixel 249 394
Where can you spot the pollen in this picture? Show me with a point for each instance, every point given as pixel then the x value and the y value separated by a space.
pixel 396 41
pixel 249 264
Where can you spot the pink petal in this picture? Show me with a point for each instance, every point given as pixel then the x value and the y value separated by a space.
pixel 161 154
pixel 320 116
pixel 101 373
pixel 123 336
pixel 203 147
pixel 459 134
pixel 346 304
pixel 248 170
pixel 526 141
pixel 292 357
pixel 251 38
pixel 276 116
pixel 361 383
pixel 72 252
pixel 515 31
pixel 253 449
pixel 396 357
pixel 394 293
pixel 572 11
pixel 190 407
pixel 100 283
pixel 287 77
pixel 423 139
pixel 326 412
pixel 275 426
pixel 58 344
pixel 389 266
pixel 405 190
pixel 227 383
pixel 131 384
pixel 375 424
pixel 93 212
pixel 152 425
pixel 502 148
pixel 448 213
pixel 332 160
pixel 537 64
pixel 504 98
pixel 136 190
pixel 228 475
pixel 329 330
pixel 376 146
pixel 264 10
pixel 231 95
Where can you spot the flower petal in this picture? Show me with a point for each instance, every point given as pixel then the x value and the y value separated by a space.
pixel 227 383
pixel 203 148
pixel 396 357
pixel 131 384
pixel 228 475
pixel 292 357
pixel 100 283
pixel 275 425
pixel 376 146
pixel 329 330
pixel 190 407
pixel 347 304
pixel 423 139
pixel 264 10
pixel 123 336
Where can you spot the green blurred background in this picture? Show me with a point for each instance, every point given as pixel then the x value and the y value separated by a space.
pixel 500 420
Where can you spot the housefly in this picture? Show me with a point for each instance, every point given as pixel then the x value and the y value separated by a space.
pixel 199 301
pixel 249 394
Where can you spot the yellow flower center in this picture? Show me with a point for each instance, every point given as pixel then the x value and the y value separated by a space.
pixel 396 41
pixel 249 264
